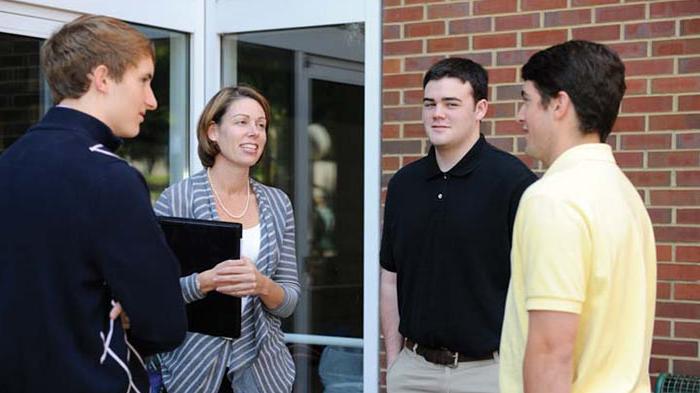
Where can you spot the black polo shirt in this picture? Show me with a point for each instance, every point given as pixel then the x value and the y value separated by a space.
pixel 448 237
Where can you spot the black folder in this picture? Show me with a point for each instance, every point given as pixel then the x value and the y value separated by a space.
pixel 200 245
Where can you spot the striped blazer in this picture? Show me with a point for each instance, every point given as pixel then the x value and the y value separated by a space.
pixel 259 357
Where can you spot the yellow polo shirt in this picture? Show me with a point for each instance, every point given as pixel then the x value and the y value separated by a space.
pixel 583 243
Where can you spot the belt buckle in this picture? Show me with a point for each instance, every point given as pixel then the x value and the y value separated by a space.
pixel 455 361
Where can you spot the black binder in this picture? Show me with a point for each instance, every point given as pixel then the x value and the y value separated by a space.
pixel 200 245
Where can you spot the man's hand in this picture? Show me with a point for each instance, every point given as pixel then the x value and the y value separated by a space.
pixel 118 312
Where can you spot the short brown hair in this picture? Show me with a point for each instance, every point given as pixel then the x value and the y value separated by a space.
pixel 70 54
pixel 215 110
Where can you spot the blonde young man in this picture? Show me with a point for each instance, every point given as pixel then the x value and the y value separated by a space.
pixel 77 227
pixel 580 309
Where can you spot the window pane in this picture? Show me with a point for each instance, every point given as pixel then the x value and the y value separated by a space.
pixel 159 152
pixel 313 79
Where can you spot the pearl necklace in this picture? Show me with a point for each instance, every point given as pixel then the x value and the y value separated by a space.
pixel 247 200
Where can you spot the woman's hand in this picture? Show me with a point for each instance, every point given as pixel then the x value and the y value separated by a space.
pixel 239 277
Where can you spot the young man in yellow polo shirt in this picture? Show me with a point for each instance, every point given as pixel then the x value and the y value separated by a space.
pixel 580 308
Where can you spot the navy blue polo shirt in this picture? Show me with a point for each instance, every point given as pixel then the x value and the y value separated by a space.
pixel 77 230
pixel 447 235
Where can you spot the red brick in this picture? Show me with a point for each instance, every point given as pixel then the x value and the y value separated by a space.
pixel 646 141
pixel 390 98
pixel 391 66
pixel 688 141
pixel 413 97
pixel 501 110
pixel 472 25
pixel 508 92
pixel 597 33
pixel 448 44
pixel 514 57
pixel 502 75
pixel 505 144
pixel 421 63
pixel 544 38
pixel 679 84
pixel 690 27
pixel 408 2
pixel 676 47
pixel 650 178
pixel 689 103
pixel 662 328
pixel 660 216
pixel 402 114
pixel 687 254
pixel 663 252
pixel 674 347
pixel 488 7
pixel 643 30
pixel 636 86
pixel 688 178
pixel 675 122
pixel 619 13
pixel 675 197
pixel 677 234
pixel 686 367
pixel 403 14
pixel 490 41
pixel 391 3
pixel 686 329
pixel 401 147
pixel 629 123
pixel 629 159
pixel 508 127
pixel 688 216
pixel 658 365
pixel 678 271
pixel 391 32
pixel 423 29
pixel 689 65
pixel 448 11
pixel 390 131
pixel 674 9
pixel 581 3
pixel 678 310
pixel 647 104
pixel 517 22
pixel 403 47
pixel 483 58
pixel 414 130
pixel 405 160
pixel 630 49
pixel 534 5
pixel 567 18
pixel 648 67
pixel 674 159
pixel 402 81
pixel 390 163
pixel 686 291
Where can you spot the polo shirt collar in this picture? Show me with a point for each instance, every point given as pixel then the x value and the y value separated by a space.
pixel 581 153
pixel 462 168
pixel 83 122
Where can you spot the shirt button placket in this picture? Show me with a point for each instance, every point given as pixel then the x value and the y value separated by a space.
pixel 441 194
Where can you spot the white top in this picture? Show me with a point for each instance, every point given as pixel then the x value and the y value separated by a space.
pixel 250 248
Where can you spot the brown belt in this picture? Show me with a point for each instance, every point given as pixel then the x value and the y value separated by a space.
pixel 443 356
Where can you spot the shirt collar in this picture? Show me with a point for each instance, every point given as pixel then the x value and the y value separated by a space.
pixel 82 122
pixel 581 153
pixel 462 168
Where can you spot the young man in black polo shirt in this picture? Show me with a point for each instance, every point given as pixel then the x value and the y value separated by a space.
pixel 77 227
pixel 446 242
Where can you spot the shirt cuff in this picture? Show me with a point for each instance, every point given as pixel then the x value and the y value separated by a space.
pixel 190 290
pixel 550 304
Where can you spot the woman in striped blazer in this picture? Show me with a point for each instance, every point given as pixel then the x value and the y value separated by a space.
pixel 232 132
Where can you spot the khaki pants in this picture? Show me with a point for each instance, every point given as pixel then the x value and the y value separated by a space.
pixel 411 373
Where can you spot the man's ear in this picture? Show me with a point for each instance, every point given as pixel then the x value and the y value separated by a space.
pixel 560 105
pixel 481 108
pixel 100 78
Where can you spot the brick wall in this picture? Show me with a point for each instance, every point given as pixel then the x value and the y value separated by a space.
pixel 656 138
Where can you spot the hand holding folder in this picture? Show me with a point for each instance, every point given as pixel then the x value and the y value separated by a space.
pixel 200 245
